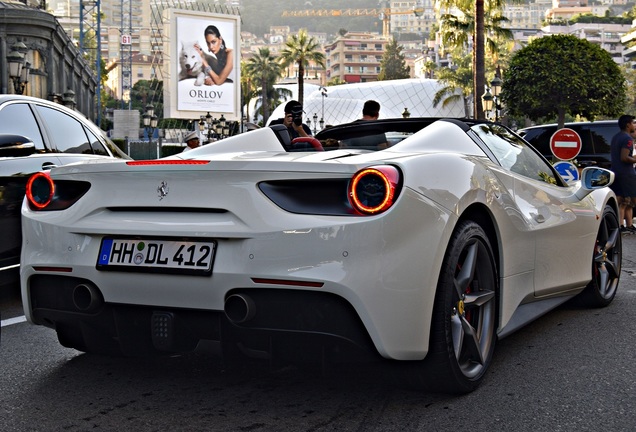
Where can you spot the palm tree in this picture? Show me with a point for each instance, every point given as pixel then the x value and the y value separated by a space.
pixel 275 96
pixel 249 89
pixel 473 24
pixel 302 49
pixel 459 77
pixel 264 69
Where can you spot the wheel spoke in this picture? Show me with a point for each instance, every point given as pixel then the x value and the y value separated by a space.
pixel 458 334
pixel 603 280
pixel 467 270
pixel 478 298
pixel 471 341
pixel 464 333
pixel 611 239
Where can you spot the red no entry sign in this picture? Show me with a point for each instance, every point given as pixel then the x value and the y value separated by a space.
pixel 565 144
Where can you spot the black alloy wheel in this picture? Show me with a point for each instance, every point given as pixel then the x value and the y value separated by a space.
pixel 464 316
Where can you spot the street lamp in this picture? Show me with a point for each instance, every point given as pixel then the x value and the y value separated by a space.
pixel 205 122
pixel 19 68
pixel 323 93
pixel 222 127
pixel 150 121
pixel 406 113
pixel 495 85
pixel 486 101
pixel 315 122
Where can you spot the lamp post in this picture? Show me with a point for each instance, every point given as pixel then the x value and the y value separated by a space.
pixel 205 123
pixel 495 85
pixel 315 122
pixel 323 93
pixel 150 121
pixel 486 101
pixel 19 68
pixel 223 129
pixel 406 113
pixel 202 125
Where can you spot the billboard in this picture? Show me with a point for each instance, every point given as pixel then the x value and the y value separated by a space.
pixel 201 64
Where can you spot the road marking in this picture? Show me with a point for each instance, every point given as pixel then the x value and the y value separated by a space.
pixel 11 321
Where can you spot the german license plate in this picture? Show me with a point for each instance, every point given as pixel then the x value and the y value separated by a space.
pixel 160 256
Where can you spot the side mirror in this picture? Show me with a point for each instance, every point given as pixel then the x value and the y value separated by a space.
pixel 15 145
pixel 592 178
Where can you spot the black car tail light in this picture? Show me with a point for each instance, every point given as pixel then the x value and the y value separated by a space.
pixel 45 194
pixel 373 190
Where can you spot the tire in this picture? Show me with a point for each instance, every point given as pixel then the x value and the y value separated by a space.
pixel 606 263
pixel 464 318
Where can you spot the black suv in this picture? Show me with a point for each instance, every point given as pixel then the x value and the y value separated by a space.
pixel 595 140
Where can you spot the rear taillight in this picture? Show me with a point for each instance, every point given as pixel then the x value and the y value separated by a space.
pixel 45 194
pixel 40 190
pixel 373 190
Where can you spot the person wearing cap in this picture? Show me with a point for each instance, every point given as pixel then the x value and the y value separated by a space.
pixel 192 141
pixel 296 128
pixel 622 163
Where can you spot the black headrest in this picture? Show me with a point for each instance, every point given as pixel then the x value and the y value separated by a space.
pixel 282 134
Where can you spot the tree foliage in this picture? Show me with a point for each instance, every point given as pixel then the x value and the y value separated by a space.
pixel 263 69
pixel 562 74
pixel 302 49
pixel 457 83
pixel 393 66
pixel 630 77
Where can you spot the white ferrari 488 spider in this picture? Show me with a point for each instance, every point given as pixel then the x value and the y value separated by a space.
pixel 416 241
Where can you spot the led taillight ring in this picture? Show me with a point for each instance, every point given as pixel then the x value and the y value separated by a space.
pixel 373 190
pixel 40 190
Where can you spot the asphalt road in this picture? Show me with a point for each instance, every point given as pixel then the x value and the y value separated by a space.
pixel 572 370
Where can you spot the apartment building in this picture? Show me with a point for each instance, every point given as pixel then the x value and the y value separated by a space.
pixel 355 57
pixel 607 36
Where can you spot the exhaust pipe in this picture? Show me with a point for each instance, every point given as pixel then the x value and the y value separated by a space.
pixel 86 297
pixel 239 308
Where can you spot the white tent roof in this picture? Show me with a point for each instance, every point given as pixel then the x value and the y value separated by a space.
pixel 343 103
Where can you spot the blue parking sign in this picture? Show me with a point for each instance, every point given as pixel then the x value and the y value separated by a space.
pixel 568 171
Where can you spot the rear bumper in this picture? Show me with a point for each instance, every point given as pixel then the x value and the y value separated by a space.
pixel 76 308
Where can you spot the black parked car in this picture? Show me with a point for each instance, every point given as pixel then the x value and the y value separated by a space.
pixel 36 135
pixel 595 140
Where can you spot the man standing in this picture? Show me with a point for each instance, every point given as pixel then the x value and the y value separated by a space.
pixel 293 120
pixel 192 141
pixel 624 185
pixel 370 111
